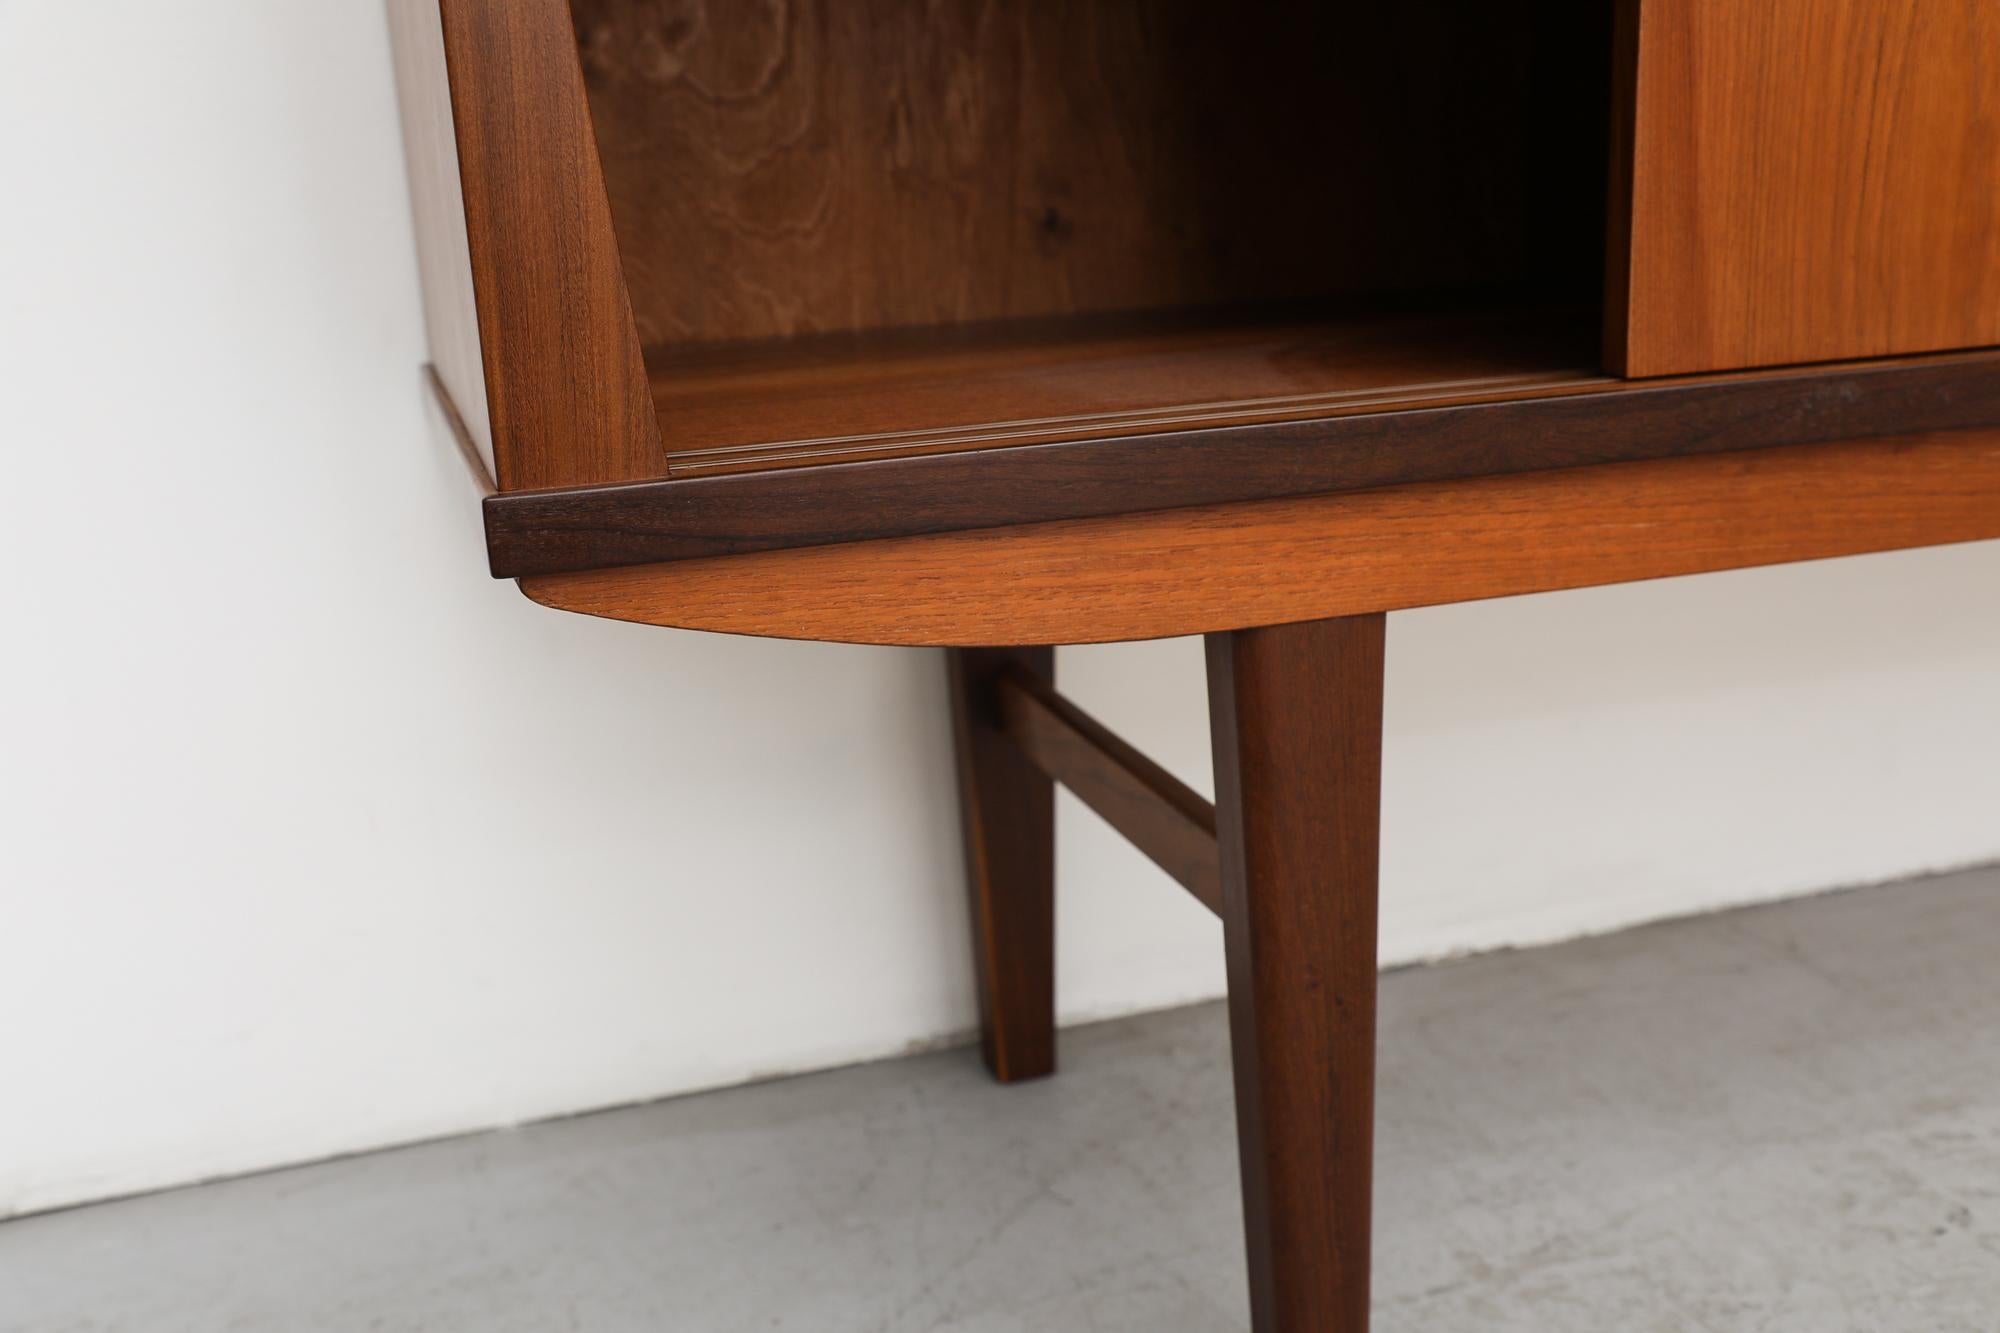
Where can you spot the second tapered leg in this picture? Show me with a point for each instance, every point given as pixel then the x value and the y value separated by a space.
pixel 1296 712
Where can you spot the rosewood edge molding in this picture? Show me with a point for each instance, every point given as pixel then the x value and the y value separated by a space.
pixel 573 529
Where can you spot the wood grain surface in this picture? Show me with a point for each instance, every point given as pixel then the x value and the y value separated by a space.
pixel 1808 180
pixel 1296 713
pixel 1228 566
pixel 1526 426
pixel 804 166
pixel 568 397
pixel 841 397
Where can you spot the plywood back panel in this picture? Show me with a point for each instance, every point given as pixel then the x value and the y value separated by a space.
pixel 800 166
pixel 1809 180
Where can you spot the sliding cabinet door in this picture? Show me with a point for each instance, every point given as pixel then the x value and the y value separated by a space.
pixel 1803 180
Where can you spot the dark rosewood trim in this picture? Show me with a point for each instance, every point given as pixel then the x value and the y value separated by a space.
pixel 599 527
pixel 1157 812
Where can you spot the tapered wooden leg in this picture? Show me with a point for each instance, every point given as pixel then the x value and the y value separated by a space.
pixel 1009 817
pixel 1296 712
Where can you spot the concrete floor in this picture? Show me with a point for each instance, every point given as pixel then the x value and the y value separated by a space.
pixel 1783 1119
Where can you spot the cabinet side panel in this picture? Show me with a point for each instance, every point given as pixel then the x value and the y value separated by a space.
pixel 1812 180
pixel 567 390
pixel 443 258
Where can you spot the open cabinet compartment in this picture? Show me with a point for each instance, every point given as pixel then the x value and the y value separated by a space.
pixel 727 279
pixel 889 227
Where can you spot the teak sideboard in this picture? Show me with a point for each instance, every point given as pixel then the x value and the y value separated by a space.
pixel 999 324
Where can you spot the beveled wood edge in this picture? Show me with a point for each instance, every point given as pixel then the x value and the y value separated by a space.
pixel 568 531
pixel 461 434
pixel 568 394
pixel 1155 811
pixel 1236 566
pixel 437 198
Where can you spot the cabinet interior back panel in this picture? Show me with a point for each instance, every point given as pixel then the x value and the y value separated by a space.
pixel 813 166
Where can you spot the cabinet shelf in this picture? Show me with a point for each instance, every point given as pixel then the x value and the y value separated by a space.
pixel 848 397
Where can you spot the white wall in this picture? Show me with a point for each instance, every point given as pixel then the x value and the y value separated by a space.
pixel 314 839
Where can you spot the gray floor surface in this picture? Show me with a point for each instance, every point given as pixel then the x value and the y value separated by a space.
pixel 1785 1119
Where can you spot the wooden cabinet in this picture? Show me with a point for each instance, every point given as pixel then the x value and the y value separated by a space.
pixel 1000 325
pixel 788 277
pixel 1808 180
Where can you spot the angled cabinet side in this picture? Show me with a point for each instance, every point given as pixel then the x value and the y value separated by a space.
pixel 531 326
